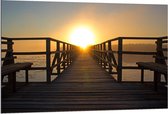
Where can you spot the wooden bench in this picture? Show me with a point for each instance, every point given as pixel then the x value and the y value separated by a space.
pixel 11 70
pixel 153 66
pixel 9 67
pixel 159 66
pixel 156 67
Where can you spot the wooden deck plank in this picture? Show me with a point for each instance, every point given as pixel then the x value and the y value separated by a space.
pixel 83 86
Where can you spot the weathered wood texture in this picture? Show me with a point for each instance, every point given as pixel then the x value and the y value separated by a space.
pixel 7 69
pixel 62 59
pixel 159 66
pixel 10 70
pixel 105 58
pixel 84 86
pixel 154 66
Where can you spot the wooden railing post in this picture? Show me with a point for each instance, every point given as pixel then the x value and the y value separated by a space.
pixel 98 53
pixel 101 49
pixel 48 59
pixel 93 51
pixel 64 55
pixel 58 57
pixel 9 53
pixel 104 49
pixel 119 68
pixel 70 54
pixel 109 56
pixel 74 52
pixel 159 54
pixel 68 51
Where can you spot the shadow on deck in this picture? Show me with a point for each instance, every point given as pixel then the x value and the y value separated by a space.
pixel 84 86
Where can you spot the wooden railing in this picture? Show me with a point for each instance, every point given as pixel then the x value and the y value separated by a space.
pixel 105 55
pixel 62 58
pixel 160 57
pixel 9 58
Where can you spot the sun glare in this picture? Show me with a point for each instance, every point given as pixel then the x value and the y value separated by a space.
pixel 82 37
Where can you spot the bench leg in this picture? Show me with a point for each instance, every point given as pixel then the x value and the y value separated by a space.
pixel 156 79
pixel 159 77
pixel 142 75
pixel 12 81
pixel 26 74
pixel 165 76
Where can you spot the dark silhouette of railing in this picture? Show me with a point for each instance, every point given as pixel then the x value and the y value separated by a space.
pixel 62 58
pixel 84 85
pixel 105 55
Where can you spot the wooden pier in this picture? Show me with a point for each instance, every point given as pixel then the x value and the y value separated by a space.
pixel 84 86
pixel 84 79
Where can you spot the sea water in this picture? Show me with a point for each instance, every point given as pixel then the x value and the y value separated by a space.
pixel 40 75
pixel 128 60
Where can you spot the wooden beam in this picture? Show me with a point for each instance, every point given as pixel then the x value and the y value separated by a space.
pixel 68 57
pixel 64 55
pixel 6 50
pixel 30 53
pixel 109 58
pixel 103 60
pixel 58 58
pixel 138 53
pixel 31 38
pixel 27 75
pixel 5 42
pixel 48 59
pixel 38 68
pixel 9 53
pixel 140 38
pixel 119 69
pixel 130 67
pixel 142 75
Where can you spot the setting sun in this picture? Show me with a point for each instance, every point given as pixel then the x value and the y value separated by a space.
pixel 82 37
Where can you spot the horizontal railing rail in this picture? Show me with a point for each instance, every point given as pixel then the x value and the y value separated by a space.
pixel 105 55
pixel 62 58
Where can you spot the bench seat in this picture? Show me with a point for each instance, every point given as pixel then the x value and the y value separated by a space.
pixel 11 70
pixel 153 66
pixel 7 69
pixel 156 67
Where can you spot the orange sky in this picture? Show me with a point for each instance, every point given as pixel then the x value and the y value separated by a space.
pixel 106 21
